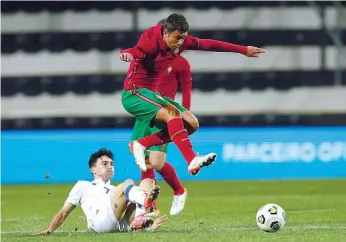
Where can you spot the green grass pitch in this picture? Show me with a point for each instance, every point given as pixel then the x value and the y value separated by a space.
pixel 215 211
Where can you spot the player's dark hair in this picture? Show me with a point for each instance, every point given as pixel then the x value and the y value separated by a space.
pixel 98 154
pixel 162 21
pixel 175 22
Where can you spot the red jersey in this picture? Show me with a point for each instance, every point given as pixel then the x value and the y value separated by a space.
pixel 152 56
pixel 178 73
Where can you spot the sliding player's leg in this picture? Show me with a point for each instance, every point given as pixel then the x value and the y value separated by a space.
pixel 138 218
pixel 126 192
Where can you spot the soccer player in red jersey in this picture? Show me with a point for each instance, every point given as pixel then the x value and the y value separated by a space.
pixel 177 74
pixel 157 47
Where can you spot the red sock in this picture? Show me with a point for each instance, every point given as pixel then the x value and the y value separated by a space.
pixel 181 139
pixel 168 174
pixel 148 174
pixel 158 138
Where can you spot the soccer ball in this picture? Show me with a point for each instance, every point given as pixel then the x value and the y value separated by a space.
pixel 271 218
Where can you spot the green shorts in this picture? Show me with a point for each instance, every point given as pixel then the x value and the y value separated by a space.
pixel 144 104
pixel 144 128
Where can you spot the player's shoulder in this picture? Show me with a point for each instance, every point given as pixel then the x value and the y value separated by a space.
pixel 83 183
pixel 153 34
pixel 154 30
pixel 150 29
pixel 190 40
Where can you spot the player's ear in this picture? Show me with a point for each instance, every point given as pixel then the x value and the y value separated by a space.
pixel 92 170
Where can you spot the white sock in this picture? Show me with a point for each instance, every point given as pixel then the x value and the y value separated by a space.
pixel 139 210
pixel 135 194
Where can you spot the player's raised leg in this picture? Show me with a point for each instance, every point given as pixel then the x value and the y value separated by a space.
pixel 191 123
pixel 149 106
pixel 144 105
pixel 177 133
pixel 176 130
pixel 139 218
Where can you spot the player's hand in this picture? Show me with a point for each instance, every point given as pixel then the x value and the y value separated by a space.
pixel 157 223
pixel 254 51
pixel 43 232
pixel 126 57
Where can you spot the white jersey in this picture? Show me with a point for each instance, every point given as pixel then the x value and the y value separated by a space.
pixel 96 204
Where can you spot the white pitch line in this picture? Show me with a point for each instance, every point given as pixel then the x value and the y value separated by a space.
pixel 56 232
pixel 21 219
pixel 311 211
pixel 296 227
pixel 30 219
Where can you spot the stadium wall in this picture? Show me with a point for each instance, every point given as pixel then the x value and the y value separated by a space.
pixel 244 154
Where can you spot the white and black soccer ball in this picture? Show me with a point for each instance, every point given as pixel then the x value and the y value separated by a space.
pixel 271 217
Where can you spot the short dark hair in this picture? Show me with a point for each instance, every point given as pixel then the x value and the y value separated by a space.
pixel 175 22
pixel 101 152
pixel 162 21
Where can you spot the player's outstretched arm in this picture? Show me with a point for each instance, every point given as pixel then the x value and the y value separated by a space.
pixel 58 219
pixel 220 46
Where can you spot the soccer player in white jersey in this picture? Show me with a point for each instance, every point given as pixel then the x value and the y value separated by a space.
pixel 110 208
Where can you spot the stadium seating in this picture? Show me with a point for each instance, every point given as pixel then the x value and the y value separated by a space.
pixel 112 83
pixel 109 41
pixel 54 52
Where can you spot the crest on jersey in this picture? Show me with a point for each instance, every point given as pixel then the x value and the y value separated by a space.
pixel 169 69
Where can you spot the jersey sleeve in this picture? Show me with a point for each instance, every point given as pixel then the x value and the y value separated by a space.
pixel 75 194
pixel 145 46
pixel 193 43
pixel 184 77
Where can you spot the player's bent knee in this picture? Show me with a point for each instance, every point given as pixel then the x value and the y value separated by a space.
pixel 190 122
pixel 194 125
pixel 167 113
pixel 191 127
pixel 157 159
pixel 128 182
pixel 172 111
pixel 147 182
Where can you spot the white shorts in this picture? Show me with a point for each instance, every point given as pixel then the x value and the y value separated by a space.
pixel 103 219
